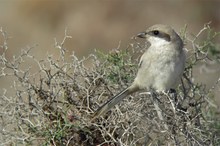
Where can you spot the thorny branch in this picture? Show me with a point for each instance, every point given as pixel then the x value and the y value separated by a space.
pixel 53 105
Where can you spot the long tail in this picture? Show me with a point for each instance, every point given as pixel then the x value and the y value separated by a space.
pixel 113 101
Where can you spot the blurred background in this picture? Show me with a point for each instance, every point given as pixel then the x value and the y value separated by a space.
pixel 98 24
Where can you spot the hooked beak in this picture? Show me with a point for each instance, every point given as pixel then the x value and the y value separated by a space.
pixel 141 35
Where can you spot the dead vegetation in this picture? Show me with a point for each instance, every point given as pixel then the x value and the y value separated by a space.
pixel 53 106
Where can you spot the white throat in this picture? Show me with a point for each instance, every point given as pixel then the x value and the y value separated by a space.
pixel 158 42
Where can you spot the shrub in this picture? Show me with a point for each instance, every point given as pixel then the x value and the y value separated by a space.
pixel 53 106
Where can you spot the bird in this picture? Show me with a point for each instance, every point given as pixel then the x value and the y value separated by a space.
pixel 160 67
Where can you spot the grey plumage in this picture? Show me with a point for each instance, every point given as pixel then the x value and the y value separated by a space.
pixel 161 66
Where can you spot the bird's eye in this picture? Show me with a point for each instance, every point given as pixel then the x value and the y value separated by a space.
pixel 155 32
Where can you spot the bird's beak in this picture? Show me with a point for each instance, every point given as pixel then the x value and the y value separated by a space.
pixel 141 35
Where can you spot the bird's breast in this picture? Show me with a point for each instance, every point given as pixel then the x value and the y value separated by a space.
pixel 160 68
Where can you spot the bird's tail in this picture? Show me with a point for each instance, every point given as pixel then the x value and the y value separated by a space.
pixel 113 101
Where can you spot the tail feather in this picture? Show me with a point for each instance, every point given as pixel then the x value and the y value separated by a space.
pixel 112 102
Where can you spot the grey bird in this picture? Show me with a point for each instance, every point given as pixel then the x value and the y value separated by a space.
pixel 160 67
